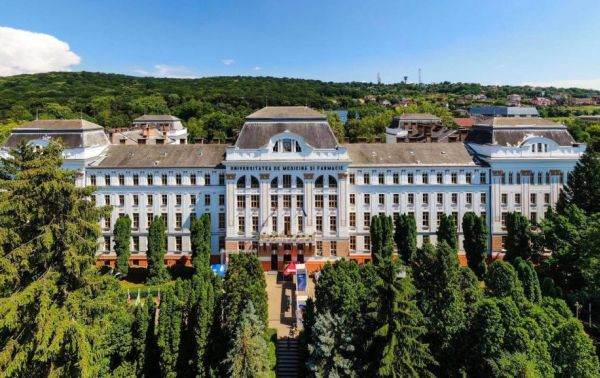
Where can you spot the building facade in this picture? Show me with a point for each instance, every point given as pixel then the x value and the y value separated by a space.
pixel 289 191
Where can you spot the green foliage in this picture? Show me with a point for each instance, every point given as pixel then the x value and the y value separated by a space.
pixel 169 332
pixel 140 328
pixel 157 248
pixel 405 237
pixel 382 237
pixel 518 237
pixel 331 353
pixel 501 281
pixel 122 238
pixel 200 240
pixel 582 187
pixel 573 353
pixel 529 280
pixel 446 231
pixel 247 355
pixel 475 242
pixel 340 289
pixel 336 126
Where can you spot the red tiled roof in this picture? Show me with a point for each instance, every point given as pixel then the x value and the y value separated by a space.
pixel 465 122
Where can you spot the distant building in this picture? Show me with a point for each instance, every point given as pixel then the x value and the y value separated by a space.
pixel 582 101
pixel 479 97
pixel 465 122
pixel 503 111
pixel 542 101
pixel 151 129
pixel 513 100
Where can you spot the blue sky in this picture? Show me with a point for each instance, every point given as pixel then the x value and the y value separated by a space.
pixel 505 42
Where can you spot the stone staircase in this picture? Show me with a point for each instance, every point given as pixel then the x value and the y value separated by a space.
pixel 288 358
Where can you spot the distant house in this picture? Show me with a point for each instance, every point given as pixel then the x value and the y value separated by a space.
pixel 582 101
pixel 542 101
pixel 513 100
pixel 465 122
pixel 151 129
pixel 503 111
pixel 479 97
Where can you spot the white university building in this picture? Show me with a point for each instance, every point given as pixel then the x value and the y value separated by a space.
pixel 288 190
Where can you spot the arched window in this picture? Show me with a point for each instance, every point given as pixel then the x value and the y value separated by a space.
pixel 287 181
pixel 539 177
pixel 332 182
pixel 253 182
pixel 547 177
pixel 274 183
pixel 241 182
pixel 299 183
pixel 298 149
pixel 319 182
pixel 287 145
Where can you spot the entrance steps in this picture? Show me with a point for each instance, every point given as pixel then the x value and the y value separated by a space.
pixel 288 358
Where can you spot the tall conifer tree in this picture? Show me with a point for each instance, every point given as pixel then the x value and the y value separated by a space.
pixel 475 242
pixel 447 231
pixel 122 240
pixel 157 248
pixel 405 237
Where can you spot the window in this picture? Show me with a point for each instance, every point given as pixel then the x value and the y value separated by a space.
pixel 150 199
pixel 163 179
pixel 353 243
pixel 299 182
pixel 469 198
pixel 241 246
pixel 287 225
pixel 533 199
pixel 439 218
pixel 319 248
pixel 333 248
pixel 255 224
pixel 287 145
pixel 221 179
pixel 454 198
pixel 149 219
pixel 178 221
pixel 150 179
pixel 318 182
pixel 396 198
pixel 207 179
pixel 254 201
pixel 300 201
pixel 136 200
pixel 382 199
pixel 483 216
pixel 241 183
pixel 165 219
pixel 333 201
pixel 136 244
pixel 300 224
pixel 178 179
pixel 135 224
pixel 517 198
pixel 107 180
pixel 518 177
pixel 425 178
pixel 332 182
pixel 192 199
pixel 207 200
pixel 454 178
pixel 178 199
pixel 352 219
pixel 333 223
pixel 533 217
pixel 221 199
pixel 287 181
pixel 483 198
pixel 274 201
pixel 440 198
pixel 546 198
pixel 411 178
pixel 241 225
pixel 319 201
pixel 468 178
pixel 367 199
pixel 178 244
pixel 319 223
pixel 411 198
pixel 107 243
pixel 439 178
pixel 221 220
pixel 163 200
pixel 425 198
pixel 367 242
pixel 396 178
pixel 425 220
pixel 106 223
pixel 367 220
pixel 93 180
pixel 352 178
pixel 366 179
pixel 121 200
pixel 503 220
pixel 381 179
pixel 287 201
pixel 482 178
pixel 241 201
pixel 192 179
pixel 121 180
pixel 352 199
pixel 510 178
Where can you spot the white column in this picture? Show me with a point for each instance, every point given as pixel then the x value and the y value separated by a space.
pixel 342 205
pixel 309 202
pixel 265 204
pixel 231 205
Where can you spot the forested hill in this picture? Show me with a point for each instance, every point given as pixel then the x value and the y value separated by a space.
pixel 215 106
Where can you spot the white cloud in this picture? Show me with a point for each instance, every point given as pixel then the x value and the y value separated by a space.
pixel 165 70
pixel 256 68
pixel 569 83
pixel 23 51
pixel 227 62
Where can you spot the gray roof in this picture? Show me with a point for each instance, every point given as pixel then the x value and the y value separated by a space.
pixel 418 117
pixel 156 118
pixel 71 133
pixel 275 113
pixel 163 156
pixel 257 134
pixel 504 111
pixel 512 131
pixel 409 154
pixel 59 124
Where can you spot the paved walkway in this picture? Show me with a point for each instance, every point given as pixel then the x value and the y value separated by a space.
pixel 282 303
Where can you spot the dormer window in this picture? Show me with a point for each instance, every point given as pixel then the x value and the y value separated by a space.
pixel 539 147
pixel 287 145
